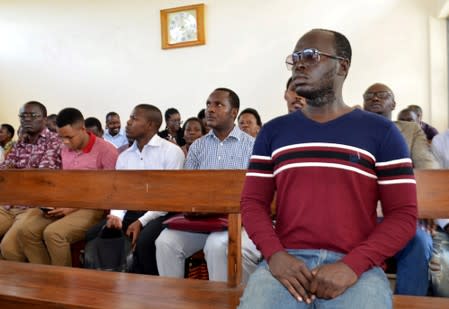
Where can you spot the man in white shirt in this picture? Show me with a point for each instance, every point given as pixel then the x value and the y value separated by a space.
pixel 148 152
pixel 113 133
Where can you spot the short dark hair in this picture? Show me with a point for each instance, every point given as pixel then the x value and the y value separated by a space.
pixel 40 105
pixel 69 116
pixel 202 114
pixel 253 112
pixel 342 45
pixel 8 128
pixel 152 112
pixel 203 128
pixel 233 97
pixel 169 112
pixel 93 122
pixel 110 114
pixel 52 116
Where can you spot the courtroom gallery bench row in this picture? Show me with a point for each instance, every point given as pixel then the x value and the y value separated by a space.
pixel 38 286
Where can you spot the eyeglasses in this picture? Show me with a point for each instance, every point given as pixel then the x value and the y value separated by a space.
pixel 380 94
pixel 308 56
pixel 29 115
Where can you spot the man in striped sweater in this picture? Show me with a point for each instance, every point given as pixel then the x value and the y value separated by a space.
pixel 328 164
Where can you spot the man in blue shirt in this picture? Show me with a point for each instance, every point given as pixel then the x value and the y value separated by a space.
pixel 113 133
pixel 224 147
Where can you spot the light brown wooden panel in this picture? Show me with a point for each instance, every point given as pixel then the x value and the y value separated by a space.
pixel 183 191
pixel 197 191
pixel 41 286
pixel 415 302
pixel 433 193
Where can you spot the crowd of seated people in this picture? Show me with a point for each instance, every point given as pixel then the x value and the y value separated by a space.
pixel 212 140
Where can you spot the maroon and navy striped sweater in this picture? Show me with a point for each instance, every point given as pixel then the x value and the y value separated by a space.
pixel 328 178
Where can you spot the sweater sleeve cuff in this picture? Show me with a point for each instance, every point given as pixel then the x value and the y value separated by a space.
pixel 270 250
pixel 357 263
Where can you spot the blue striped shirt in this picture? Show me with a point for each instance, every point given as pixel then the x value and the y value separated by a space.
pixel 209 152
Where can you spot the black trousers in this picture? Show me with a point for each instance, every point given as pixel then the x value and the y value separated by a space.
pixel 144 256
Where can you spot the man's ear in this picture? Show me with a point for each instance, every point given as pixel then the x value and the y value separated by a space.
pixel 343 68
pixel 234 112
pixel 393 105
pixel 153 126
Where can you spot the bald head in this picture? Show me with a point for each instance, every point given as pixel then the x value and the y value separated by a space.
pixel 379 99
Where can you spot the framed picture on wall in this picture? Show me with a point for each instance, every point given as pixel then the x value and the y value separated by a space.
pixel 183 26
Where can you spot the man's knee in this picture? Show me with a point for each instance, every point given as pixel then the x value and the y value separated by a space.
pixel 422 240
pixel 28 232
pixel 11 251
pixel 419 248
pixel 216 243
pixel 52 234
pixel 164 242
pixel 265 291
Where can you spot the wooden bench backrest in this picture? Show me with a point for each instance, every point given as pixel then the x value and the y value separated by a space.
pixel 433 193
pixel 202 191
pixel 196 191
pixel 214 191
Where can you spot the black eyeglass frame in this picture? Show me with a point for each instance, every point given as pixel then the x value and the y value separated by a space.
pixel 29 115
pixel 379 94
pixel 315 55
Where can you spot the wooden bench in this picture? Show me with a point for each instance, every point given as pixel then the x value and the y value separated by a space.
pixel 179 191
pixel 38 286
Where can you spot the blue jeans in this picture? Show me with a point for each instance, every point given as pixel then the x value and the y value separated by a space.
pixel 412 275
pixel 440 278
pixel 263 291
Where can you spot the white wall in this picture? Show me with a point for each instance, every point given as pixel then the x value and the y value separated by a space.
pixel 103 55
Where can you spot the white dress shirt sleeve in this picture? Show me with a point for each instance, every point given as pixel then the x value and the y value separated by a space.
pixel 118 213
pixel 151 215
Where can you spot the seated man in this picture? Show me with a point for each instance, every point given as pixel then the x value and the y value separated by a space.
pixel 113 133
pixel 439 263
pixel 46 236
pixel 39 148
pixel 429 131
pixel 328 164
pixel 412 261
pixel 407 115
pixel 93 125
pixel 224 147
pixel 149 151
